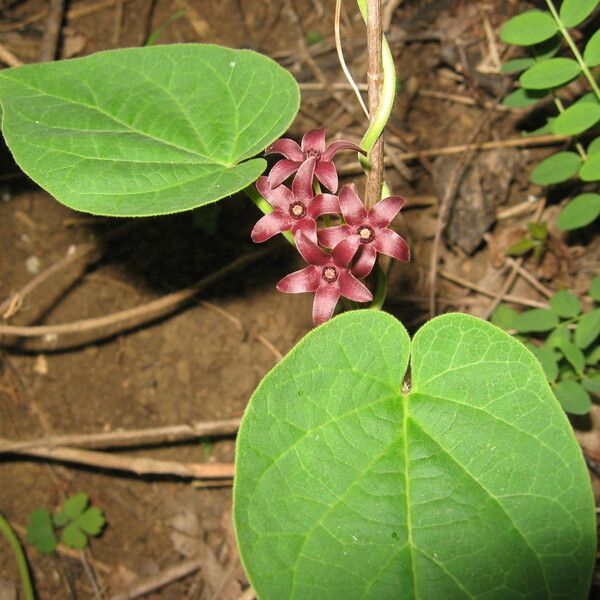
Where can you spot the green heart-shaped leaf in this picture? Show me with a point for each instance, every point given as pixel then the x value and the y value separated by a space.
pixel 146 131
pixel 467 485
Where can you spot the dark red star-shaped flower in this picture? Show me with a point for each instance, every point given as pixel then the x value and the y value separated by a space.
pixel 366 232
pixel 327 275
pixel 312 146
pixel 296 209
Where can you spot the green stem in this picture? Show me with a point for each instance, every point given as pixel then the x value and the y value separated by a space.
pixel 13 542
pixel 380 290
pixel 388 94
pixel 584 68
pixel 266 208
pixel 561 109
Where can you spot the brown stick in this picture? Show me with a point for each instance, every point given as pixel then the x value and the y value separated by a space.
pixel 92 330
pixel 355 168
pixel 374 80
pixel 466 100
pixel 136 437
pixel 75 262
pixel 8 58
pixel 525 274
pixel 131 464
pixel 481 290
pixel 49 45
pixel 155 582
pixel 81 257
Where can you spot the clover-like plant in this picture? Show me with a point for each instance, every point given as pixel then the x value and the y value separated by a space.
pixel 77 522
pixel 543 72
pixel 368 465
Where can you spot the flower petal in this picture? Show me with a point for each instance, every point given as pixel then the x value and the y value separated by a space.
pixel 353 289
pixel 270 225
pixel 389 242
pixel 352 208
pixel 344 252
pixel 335 147
pixel 313 141
pixel 281 170
pixel 289 149
pixel 310 252
pixel 385 210
pixel 307 226
pixel 365 261
pixel 304 280
pixel 302 185
pixel 279 197
pixel 330 237
pixel 323 204
pixel 326 173
pixel 326 297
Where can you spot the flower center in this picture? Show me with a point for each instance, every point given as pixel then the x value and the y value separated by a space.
pixel 297 210
pixel 366 234
pixel 330 274
pixel 312 154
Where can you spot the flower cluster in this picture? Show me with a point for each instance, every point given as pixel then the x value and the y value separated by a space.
pixel 354 244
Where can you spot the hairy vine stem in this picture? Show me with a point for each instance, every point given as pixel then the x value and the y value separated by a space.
pixel 382 93
pixel 381 114
pixel 374 79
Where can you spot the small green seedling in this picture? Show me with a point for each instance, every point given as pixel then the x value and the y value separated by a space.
pixel 77 522
pixel 535 242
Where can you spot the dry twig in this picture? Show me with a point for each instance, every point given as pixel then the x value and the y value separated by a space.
pixel 8 58
pixel 77 333
pixel 49 45
pixel 354 168
pixel 128 439
pixel 155 582
pixel 481 290
pixel 130 464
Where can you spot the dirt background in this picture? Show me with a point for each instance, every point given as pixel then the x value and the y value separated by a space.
pixel 204 361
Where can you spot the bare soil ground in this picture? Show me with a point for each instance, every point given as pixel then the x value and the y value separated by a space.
pixel 204 361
